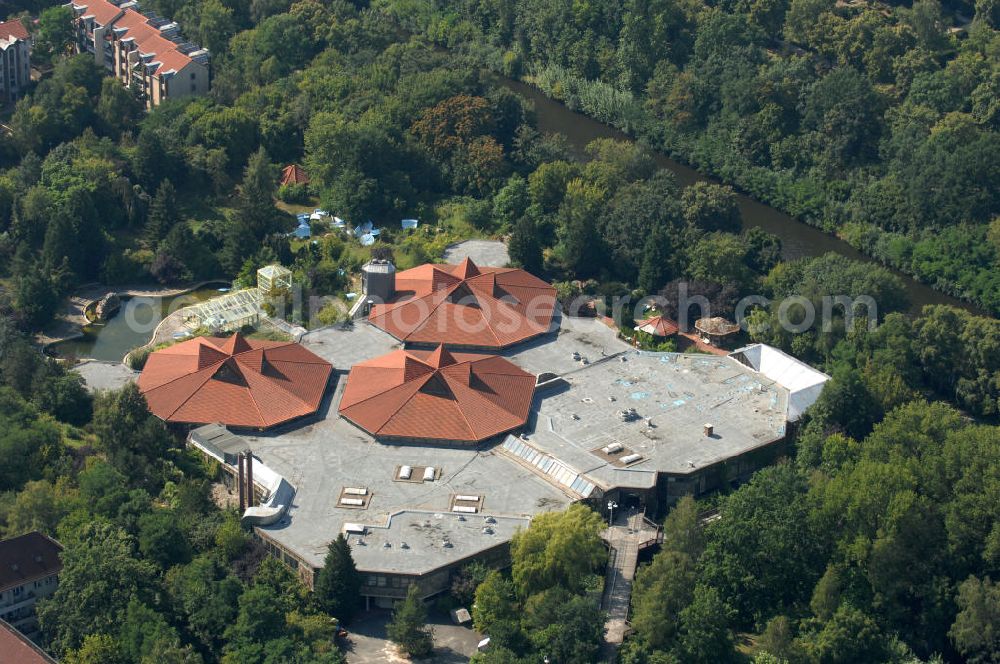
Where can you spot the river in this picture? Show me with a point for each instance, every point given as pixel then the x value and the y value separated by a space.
pixel 798 239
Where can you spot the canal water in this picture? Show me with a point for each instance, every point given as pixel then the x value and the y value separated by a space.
pixel 798 239
pixel 131 327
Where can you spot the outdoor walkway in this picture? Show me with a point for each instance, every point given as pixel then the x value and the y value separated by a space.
pixel 631 533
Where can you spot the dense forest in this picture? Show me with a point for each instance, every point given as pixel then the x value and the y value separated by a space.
pixel 877 542
pixel 877 121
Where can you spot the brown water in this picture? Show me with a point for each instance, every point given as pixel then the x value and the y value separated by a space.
pixel 798 239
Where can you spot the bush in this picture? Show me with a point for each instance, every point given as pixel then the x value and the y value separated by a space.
pixel 294 193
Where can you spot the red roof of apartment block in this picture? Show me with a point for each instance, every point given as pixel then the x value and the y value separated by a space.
pixel 437 395
pixel 103 11
pixel 16 648
pixel 13 30
pixel 28 557
pixel 466 306
pixel 234 381
pixel 149 40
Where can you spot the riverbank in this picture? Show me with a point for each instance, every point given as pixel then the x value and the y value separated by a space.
pixel 799 239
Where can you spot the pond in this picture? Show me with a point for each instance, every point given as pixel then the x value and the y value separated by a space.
pixel 131 327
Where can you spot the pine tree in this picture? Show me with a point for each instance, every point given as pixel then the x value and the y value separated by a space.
pixel 408 628
pixel 255 204
pixel 162 214
pixel 338 585
pixel 656 260
pixel 524 246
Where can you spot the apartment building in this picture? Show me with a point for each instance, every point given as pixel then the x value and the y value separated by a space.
pixel 145 52
pixel 15 60
pixel 29 571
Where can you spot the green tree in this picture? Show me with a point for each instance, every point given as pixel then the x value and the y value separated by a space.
pixel 116 108
pixel 976 631
pixel 338 584
pixel 706 637
pixel 524 245
pixel 162 540
pixel 55 33
pixel 162 215
pixel 658 258
pixel 96 649
pixel 711 207
pixel 559 549
pixel 579 240
pixel 496 603
pixel 662 590
pixel 134 439
pixel 100 576
pixel 408 628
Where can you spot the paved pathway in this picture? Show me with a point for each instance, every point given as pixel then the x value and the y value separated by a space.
pixel 630 533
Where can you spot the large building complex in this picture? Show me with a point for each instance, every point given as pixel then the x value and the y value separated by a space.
pixel 15 60
pixel 29 571
pixel 441 453
pixel 145 52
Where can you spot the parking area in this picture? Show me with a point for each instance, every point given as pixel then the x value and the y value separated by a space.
pixel 366 642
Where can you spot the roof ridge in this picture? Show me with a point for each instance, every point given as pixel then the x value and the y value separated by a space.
pixel 404 402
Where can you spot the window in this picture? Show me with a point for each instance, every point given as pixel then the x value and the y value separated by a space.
pixel 17 590
pixel 194 75
pixel 381 582
pixel 372 580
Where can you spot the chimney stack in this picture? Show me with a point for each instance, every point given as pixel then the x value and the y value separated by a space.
pixel 251 498
pixel 241 482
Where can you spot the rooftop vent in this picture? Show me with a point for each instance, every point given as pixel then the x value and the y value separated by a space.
pixel 446 544
pixel 405 472
pixel 613 448
pixel 487 531
pixel 386 545
pixel 630 458
pixel 429 474
pixel 490 519
pixel 709 430
pixel 404 545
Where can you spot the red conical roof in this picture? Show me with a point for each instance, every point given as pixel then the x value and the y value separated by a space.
pixel 234 381
pixel 460 397
pixel 467 306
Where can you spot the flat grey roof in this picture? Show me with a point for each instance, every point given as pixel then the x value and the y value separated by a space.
pixel 321 458
pixel 343 346
pixel 677 393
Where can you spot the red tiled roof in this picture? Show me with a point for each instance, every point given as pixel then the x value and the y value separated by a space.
pixel 658 326
pixel 16 648
pixel 234 381
pixel 437 395
pixel 466 306
pixel 27 558
pixel 150 41
pixel 13 30
pixel 103 11
pixel 294 174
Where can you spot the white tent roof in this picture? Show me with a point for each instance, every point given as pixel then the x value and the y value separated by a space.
pixel 803 382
